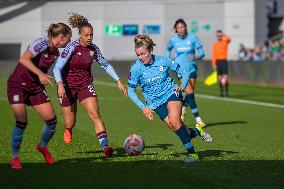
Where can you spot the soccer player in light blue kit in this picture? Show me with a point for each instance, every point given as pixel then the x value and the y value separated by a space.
pixel 184 46
pixel 160 92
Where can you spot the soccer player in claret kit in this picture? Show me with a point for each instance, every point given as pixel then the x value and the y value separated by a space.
pixel 161 93
pixel 26 88
pixel 185 46
pixel 74 79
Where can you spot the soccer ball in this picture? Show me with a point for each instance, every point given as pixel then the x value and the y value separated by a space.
pixel 134 145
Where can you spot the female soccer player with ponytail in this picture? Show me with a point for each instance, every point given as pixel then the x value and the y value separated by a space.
pixel 74 79
pixel 26 88
pixel 161 93
pixel 185 46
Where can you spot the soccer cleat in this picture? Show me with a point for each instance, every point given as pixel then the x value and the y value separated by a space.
pixel 183 111
pixel 108 151
pixel 67 136
pixel 15 163
pixel 200 122
pixel 205 136
pixel 192 158
pixel 47 156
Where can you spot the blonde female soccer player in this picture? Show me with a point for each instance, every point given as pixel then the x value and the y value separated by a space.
pixel 26 88
pixel 161 93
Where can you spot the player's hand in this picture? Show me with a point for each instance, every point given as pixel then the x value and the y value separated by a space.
pixel 214 67
pixel 45 79
pixel 61 90
pixel 179 89
pixel 193 57
pixel 121 87
pixel 148 113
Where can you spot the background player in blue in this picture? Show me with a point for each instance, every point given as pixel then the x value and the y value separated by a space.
pixel 26 88
pixel 184 46
pixel 160 92
pixel 74 79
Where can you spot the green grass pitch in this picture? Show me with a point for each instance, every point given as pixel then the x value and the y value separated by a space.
pixel 248 149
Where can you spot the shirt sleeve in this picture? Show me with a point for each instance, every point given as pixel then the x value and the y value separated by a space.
pixel 227 38
pixel 63 58
pixel 179 70
pixel 37 46
pixel 133 81
pixel 105 64
pixel 199 47
pixel 169 48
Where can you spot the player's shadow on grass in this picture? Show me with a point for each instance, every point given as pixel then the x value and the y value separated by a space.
pixel 211 124
pixel 137 172
pixel 119 152
pixel 207 153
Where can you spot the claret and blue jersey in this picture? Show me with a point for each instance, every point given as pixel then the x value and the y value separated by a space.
pixel 73 66
pixel 157 86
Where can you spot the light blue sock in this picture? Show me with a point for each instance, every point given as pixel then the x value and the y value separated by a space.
pixel 17 137
pixel 190 100
pixel 102 136
pixel 48 132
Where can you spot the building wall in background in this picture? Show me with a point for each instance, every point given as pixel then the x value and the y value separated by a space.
pixel 239 22
pixel 240 19
pixel 21 29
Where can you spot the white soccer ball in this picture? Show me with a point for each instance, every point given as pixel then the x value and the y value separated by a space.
pixel 134 144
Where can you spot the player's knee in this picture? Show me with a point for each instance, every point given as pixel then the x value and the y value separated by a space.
pixel 94 115
pixel 175 122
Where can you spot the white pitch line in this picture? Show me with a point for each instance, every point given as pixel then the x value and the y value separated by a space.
pixel 113 84
pixel 241 101
pixel 110 84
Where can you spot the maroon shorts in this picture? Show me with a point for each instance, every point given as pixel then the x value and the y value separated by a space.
pixel 77 94
pixel 18 95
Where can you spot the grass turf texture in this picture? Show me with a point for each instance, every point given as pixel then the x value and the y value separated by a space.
pixel 248 150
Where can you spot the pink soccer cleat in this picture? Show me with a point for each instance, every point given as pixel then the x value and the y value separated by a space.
pixel 108 151
pixel 15 163
pixel 47 156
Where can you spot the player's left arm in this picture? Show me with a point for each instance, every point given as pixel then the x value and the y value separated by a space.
pixel 169 48
pixel 179 70
pixel 109 70
pixel 133 81
pixel 199 48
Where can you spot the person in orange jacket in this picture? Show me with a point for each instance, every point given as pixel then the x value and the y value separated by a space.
pixel 219 61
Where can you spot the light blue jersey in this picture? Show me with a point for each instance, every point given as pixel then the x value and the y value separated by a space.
pixel 157 86
pixel 183 48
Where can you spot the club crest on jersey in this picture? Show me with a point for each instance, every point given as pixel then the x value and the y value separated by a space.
pixel 45 55
pixel 161 68
pixel 40 45
pixel 63 54
pixel 79 53
pixel 36 48
pixel 92 53
pixel 16 98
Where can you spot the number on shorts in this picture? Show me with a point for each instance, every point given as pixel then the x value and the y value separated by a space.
pixel 92 89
